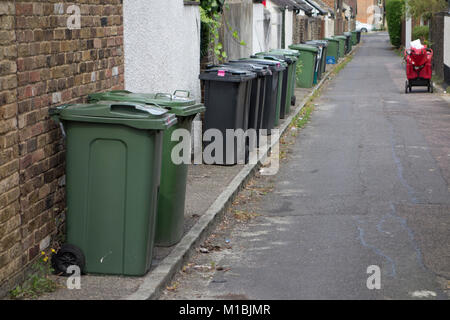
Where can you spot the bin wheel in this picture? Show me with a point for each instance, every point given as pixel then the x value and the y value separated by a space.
pixel 430 87
pixel 68 255
pixel 406 87
pixel 293 99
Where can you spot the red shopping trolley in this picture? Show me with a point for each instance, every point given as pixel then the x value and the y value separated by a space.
pixel 418 68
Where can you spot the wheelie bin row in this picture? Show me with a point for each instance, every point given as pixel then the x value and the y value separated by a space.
pixel 248 93
pixel 313 63
pixel 339 46
pixel 125 194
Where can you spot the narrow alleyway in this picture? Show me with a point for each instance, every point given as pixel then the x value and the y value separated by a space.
pixel 366 183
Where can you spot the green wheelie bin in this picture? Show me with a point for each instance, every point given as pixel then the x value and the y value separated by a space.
pixel 172 191
pixel 281 82
pixel 342 40
pixel 332 51
pixel 287 92
pixel 354 38
pixel 294 54
pixel 306 64
pixel 113 167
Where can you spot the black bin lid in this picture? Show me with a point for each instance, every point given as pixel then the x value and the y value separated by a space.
pixel 227 74
pixel 259 69
pixel 272 64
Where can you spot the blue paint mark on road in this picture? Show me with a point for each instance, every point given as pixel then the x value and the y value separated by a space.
pixel 398 163
pixel 376 250
pixel 410 235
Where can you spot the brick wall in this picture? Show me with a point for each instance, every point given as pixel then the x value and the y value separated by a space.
pixel 42 64
pixel 316 28
pixel 306 28
pixel 330 3
pixel 339 22
pixel 10 219
pixel 299 29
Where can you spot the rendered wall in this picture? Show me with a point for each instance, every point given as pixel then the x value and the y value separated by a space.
pixel 275 25
pixel 329 27
pixel 161 55
pixel 289 25
pixel 260 39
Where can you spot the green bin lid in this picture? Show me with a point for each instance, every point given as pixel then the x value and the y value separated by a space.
pixel 331 39
pixel 270 57
pixel 130 114
pixel 289 52
pixel 289 59
pixel 303 47
pixel 322 43
pixel 179 105
pixel 340 37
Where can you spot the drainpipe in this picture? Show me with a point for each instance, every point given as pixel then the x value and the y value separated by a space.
pixel 283 28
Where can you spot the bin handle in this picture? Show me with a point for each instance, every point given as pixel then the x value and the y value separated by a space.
pixel 121 91
pixel 188 93
pixel 135 106
pixel 56 110
pixel 168 95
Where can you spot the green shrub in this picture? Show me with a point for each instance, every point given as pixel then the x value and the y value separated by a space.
pixel 421 32
pixel 394 16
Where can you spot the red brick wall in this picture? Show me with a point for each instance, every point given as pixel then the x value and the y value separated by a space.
pixel 365 11
pixel 44 64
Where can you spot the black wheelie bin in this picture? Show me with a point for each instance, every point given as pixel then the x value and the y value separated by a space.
pixel 227 101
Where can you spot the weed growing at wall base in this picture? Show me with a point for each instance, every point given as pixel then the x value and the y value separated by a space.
pixel 39 281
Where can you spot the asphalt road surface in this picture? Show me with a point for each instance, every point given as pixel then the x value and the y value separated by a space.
pixel 366 184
